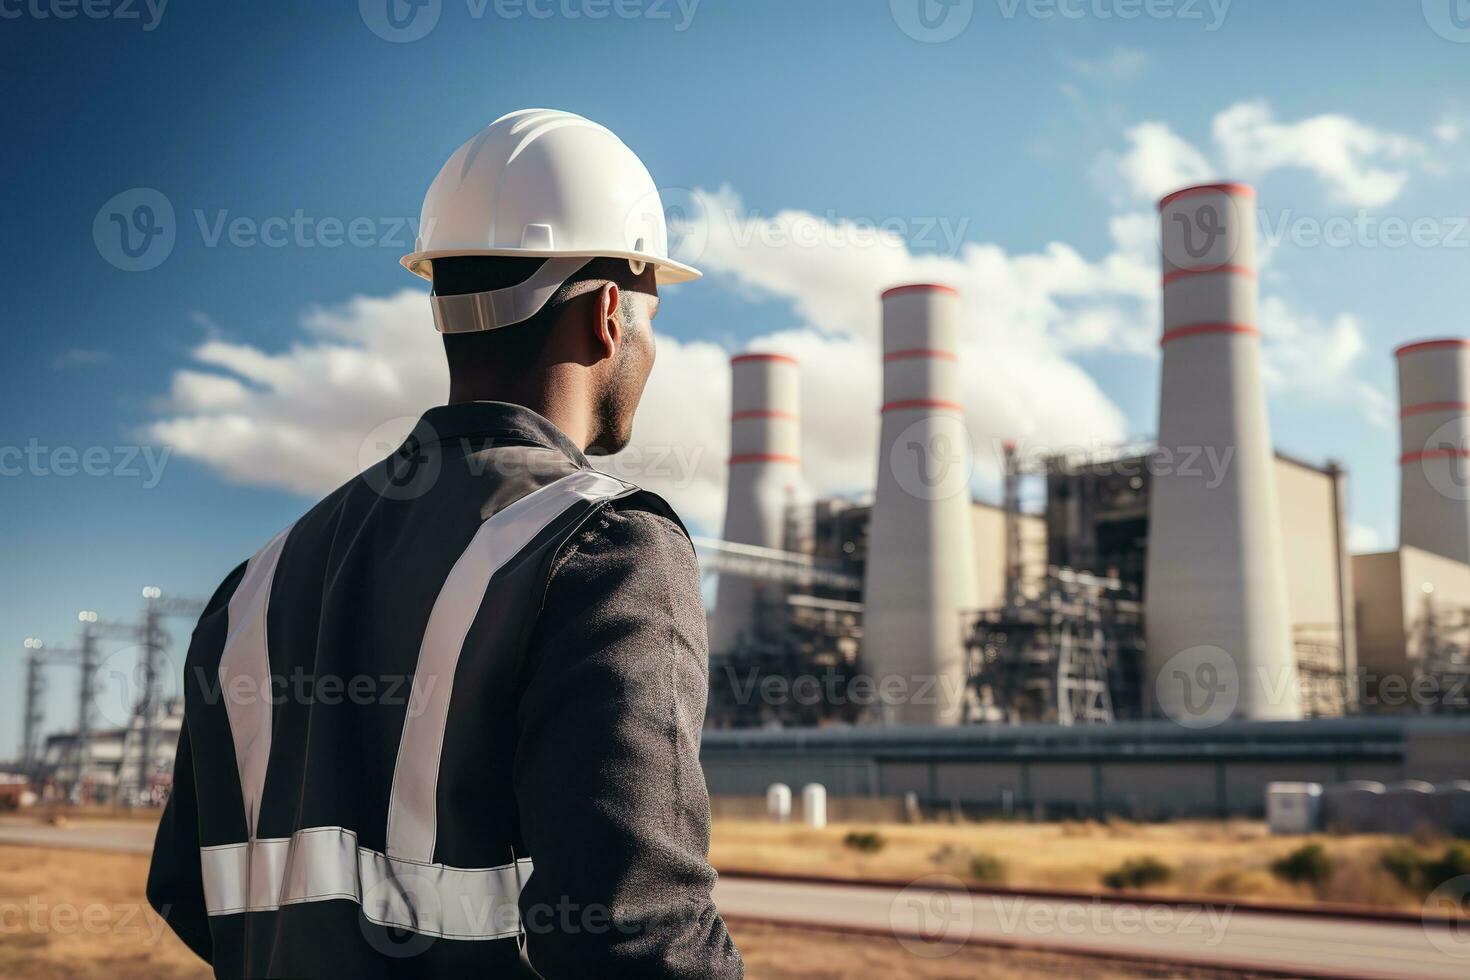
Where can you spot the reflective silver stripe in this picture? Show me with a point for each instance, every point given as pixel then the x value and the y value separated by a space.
pixel 412 812
pixel 244 675
pixel 324 863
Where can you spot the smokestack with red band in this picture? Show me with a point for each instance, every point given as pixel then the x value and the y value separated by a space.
pixel 1434 461
pixel 764 478
pixel 1219 631
pixel 920 573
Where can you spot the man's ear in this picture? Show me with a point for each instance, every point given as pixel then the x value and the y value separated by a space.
pixel 608 334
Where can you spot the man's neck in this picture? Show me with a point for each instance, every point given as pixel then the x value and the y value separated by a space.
pixel 556 399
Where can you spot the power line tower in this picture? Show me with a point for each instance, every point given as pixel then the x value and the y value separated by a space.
pixel 154 640
pixel 31 713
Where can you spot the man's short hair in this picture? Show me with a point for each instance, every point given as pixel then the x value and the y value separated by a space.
pixel 520 345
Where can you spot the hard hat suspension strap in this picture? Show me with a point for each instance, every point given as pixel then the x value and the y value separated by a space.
pixel 470 312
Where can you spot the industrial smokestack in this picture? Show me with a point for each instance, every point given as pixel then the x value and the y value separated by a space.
pixel 1434 431
pixel 764 478
pixel 1219 632
pixel 920 571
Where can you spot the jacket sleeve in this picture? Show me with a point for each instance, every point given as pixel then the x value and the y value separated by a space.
pixel 612 799
pixel 175 881
pixel 176 877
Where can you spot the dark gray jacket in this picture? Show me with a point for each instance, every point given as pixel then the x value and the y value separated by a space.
pixel 486 670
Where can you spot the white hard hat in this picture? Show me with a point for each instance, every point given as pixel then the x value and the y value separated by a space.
pixel 540 183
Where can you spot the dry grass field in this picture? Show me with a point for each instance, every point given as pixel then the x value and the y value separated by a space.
pixel 1229 859
pixel 78 915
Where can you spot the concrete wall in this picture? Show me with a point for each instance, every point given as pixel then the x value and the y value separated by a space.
pixel 1380 612
pixel 989 523
pixel 1309 533
pixel 1393 590
pixel 1142 769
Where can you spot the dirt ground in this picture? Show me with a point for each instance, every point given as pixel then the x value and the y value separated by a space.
pixel 77 914
pixel 1206 858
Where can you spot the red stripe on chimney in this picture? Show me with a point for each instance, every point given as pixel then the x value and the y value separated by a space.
pixel 923 403
pixel 1431 345
pixel 1211 270
pixel 906 355
pixel 742 358
pixel 920 287
pixel 1244 190
pixel 1203 328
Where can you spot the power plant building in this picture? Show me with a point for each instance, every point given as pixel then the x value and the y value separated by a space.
pixel 1207 558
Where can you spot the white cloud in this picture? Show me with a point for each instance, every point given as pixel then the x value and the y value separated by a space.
pixel 299 419
pixel 1357 164
pixel 1308 359
pixel 1157 161
pixel 1118 66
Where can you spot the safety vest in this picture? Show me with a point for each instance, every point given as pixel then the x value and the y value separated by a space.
pixel 350 698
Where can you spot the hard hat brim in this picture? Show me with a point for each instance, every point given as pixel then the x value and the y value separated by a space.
pixel 666 271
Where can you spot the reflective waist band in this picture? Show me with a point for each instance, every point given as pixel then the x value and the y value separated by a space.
pixel 322 864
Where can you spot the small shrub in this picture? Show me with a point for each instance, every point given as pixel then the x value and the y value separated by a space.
pixel 988 868
pixel 1307 865
pixel 864 841
pixel 1403 861
pixel 1138 873
pixel 1454 862
pixel 1421 872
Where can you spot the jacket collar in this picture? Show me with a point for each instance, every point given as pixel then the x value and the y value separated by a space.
pixel 500 421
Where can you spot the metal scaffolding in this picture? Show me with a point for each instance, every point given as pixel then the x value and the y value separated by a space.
pixel 1069 656
pixel 1440 654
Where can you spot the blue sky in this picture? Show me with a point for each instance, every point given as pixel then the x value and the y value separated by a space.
pixel 1017 157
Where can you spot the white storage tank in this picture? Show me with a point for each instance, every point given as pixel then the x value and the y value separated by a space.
pixel 814 805
pixel 1294 808
pixel 1408 808
pixel 778 802
pixel 1354 807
